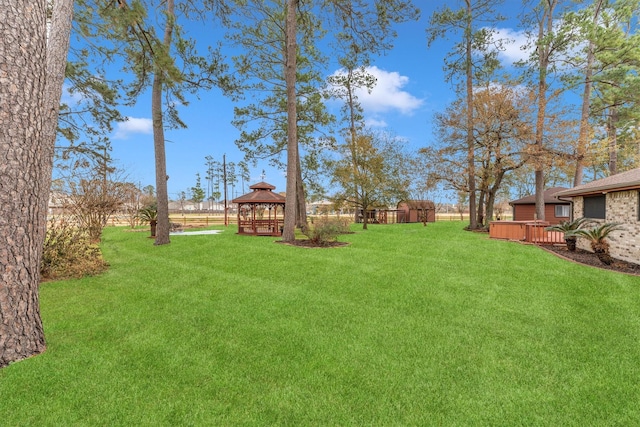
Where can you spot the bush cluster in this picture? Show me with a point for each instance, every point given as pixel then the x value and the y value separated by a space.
pixel 69 253
pixel 326 230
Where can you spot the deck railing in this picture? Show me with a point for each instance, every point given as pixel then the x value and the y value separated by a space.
pixel 526 231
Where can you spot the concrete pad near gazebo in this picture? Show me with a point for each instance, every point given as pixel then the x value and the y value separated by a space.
pixel 260 212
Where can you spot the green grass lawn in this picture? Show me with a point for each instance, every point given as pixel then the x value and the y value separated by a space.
pixel 406 326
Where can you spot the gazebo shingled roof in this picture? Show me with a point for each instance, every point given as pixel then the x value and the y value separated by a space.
pixel 262 193
pixel 252 207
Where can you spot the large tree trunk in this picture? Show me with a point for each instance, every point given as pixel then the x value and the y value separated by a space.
pixel 32 75
pixel 491 195
pixel 583 135
pixel 288 234
pixel 162 227
pixel 480 206
pixel 471 172
pixel 365 218
pixel 301 204
pixel 546 23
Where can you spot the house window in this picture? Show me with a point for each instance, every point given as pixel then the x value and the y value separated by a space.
pixel 638 205
pixel 562 211
pixel 595 207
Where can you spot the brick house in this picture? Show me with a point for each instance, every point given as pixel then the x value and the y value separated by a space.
pixel 612 199
pixel 555 211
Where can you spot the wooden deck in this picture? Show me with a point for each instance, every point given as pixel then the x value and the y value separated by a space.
pixel 525 231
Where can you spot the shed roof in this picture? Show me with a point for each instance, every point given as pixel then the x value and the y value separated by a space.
pixel 262 193
pixel 629 180
pixel 549 196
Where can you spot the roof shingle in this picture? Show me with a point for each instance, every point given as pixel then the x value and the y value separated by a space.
pixel 623 181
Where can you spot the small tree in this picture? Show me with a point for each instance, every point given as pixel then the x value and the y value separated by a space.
pixel 370 174
pixel 569 229
pixel 197 193
pixel 149 214
pixel 91 202
pixel 132 203
pixel 597 237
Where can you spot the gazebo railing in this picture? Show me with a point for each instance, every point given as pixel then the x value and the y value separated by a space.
pixel 267 227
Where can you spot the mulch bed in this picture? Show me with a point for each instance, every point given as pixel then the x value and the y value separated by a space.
pixel 589 258
pixel 303 243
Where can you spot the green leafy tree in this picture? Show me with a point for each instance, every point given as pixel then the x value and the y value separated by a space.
pixel 616 86
pixel 271 73
pixel 587 20
pixel 197 192
pixel 87 113
pixel 245 176
pixel 370 173
pixel 281 39
pixel 501 133
pixel 470 58
pixel 550 43
pixel 158 56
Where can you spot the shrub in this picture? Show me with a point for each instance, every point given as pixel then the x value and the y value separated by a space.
pixel 69 253
pixel 149 214
pixel 326 230
pixel 569 229
pixel 597 237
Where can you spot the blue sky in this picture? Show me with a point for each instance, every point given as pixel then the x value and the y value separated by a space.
pixel 410 89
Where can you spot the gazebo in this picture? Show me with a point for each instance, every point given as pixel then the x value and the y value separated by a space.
pixel 260 212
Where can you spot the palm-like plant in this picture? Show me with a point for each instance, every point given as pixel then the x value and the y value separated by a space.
pixel 597 237
pixel 569 228
pixel 149 214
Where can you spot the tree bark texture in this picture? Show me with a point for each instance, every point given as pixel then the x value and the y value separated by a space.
pixel 471 162
pixel 24 174
pixel 583 135
pixel 288 234
pixel 301 203
pixel 544 26
pixel 612 130
pixel 162 227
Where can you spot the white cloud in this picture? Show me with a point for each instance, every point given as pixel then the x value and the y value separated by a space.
pixel 68 97
pixel 376 123
pixel 133 125
pixel 513 44
pixel 516 49
pixel 387 95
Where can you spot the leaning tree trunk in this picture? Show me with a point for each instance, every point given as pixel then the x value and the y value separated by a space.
pixel 32 74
